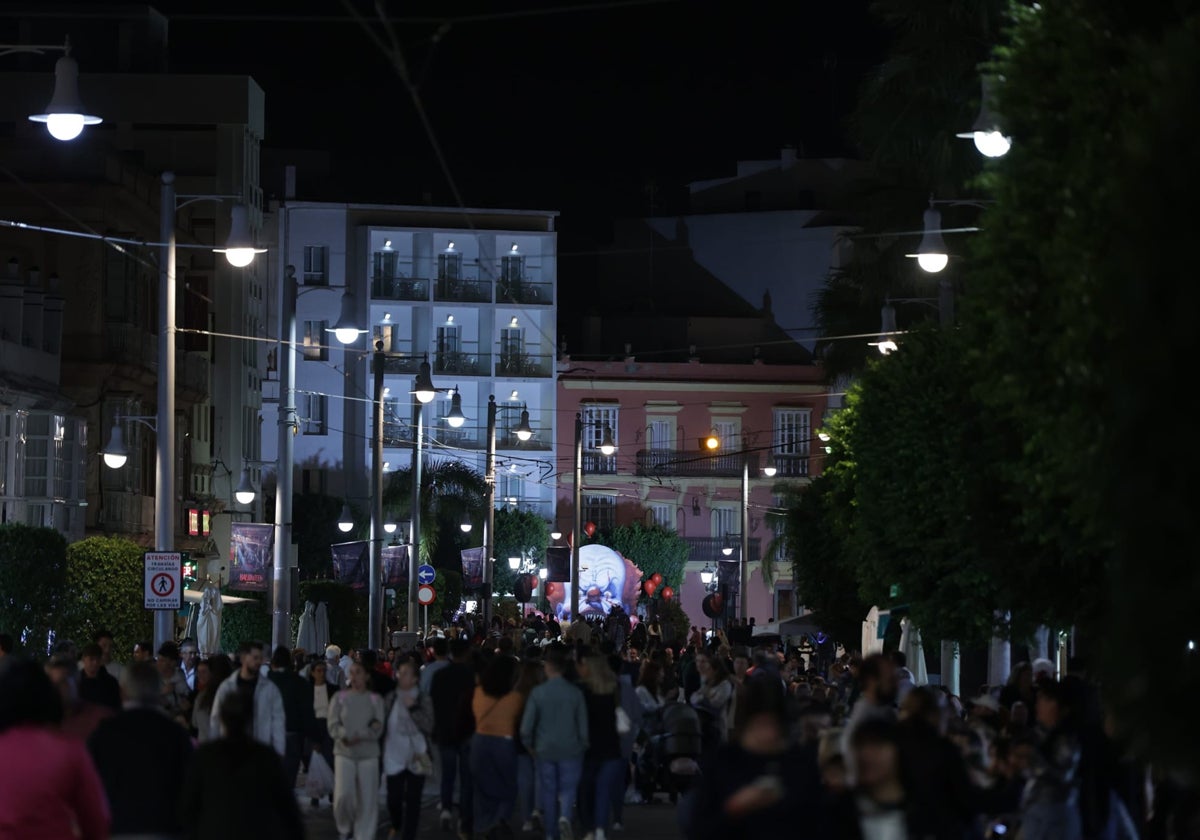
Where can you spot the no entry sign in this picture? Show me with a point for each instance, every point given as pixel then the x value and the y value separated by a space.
pixel 426 595
pixel 164 580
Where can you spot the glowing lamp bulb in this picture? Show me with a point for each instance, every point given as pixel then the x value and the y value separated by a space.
pixel 347 335
pixel 991 144
pixel 65 126
pixel 933 263
pixel 241 257
pixel 769 471
pixel 115 460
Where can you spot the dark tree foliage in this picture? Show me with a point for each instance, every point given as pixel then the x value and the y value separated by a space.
pixel 33 574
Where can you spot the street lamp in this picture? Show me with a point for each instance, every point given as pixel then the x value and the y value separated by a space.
pixel 455 418
pixel 985 132
pixel 556 535
pixel 345 329
pixel 345 519
pixel 245 490
pixel 769 470
pixel 65 116
pixel 706 575
pixel 115 454
pixel 931 251
pixel 389 527
pixel 514 563
pixel 164 421
pixel 887 331
pixel 423 388
pixel 465 526
pixel 608 446
pixel 523 430
pixel 727 548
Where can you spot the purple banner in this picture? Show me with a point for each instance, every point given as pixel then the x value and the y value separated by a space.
pixel 472 563
pixel 350 563
pixel 395 565
pixel 251 546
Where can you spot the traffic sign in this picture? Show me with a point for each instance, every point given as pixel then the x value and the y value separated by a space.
pixel 426 595
pixel 163 580
pixel 425 573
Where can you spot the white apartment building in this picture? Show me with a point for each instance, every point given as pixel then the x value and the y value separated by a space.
pixel 472 291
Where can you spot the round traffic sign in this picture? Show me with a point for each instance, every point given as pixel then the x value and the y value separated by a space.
pixel 426 573
pixel 163 585
pixel 426 595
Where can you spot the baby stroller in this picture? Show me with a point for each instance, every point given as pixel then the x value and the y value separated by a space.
pixel 670 756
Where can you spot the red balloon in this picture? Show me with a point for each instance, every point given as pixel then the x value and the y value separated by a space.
pixel 668 593
pixel 657 578
pixel 590 529
pixel 649 588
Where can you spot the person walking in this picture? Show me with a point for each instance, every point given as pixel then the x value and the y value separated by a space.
pixel 356 718
pixel 96 684
pixel 142 757
pixel 406 759
pixel 497 707
pixel 297 709
pixel 603 775
pixel 220 668
pixel 235 787
pixel 530 676
pixel 321 691
pixel 554 728
pixel 54 790
pixel 267 723
pixel 452 690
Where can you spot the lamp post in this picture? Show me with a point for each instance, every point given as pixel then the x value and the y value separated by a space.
pixel 375 567
pixel 523 432
pixel 65 116
pixel 423 392
pixel 607 447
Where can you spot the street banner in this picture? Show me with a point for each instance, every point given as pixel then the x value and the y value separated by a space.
pixel 558 563
pixel 729 573
pixel 395 565
pixel 251 550
pixel 350 563
pixel 472 564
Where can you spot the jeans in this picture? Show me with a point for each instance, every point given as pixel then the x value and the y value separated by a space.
pixel 293 751
pixel 602 780
pixel 404 803
pixel 525 788
pixel 456 761
pixel 494 769
pixel 558 782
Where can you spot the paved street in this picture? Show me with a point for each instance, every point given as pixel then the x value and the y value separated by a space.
pixel 642 822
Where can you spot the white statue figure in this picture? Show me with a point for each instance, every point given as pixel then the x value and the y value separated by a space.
pixel 208 628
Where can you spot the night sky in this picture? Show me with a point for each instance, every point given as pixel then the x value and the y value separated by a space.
pixel 580 107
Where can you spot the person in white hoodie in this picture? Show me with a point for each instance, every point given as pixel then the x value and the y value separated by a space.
pixel 268 721
pixel 406 758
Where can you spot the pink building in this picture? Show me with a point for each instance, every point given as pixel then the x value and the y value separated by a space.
pixel 658 412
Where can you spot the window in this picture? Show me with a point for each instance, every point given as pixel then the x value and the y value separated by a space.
pixel 601 511
pixel 386 265
pixel 785 603
pixel 512 487
pixel 660 434
pixel 393 426
pixel 512 351
pixel 312 409
pixel 37 456
pixel 315 348
pixel 729 433
pixel 316 265
pixel 450 266
pixel 512 268
pixel 723 521
pixel 661 514
pixel 599 420
pixel 790 440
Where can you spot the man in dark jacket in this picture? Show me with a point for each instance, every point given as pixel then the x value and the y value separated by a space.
pixel 453 726
pixel 142 757
pixel 96 684
pixel 298 714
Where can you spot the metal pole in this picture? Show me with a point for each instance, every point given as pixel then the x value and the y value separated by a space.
pixel 945 302
pixel 375 586
pixel 164 474
pixel 281 623
pixel 415 541
pixel 577 533
pixel 744 584
pixel 489 522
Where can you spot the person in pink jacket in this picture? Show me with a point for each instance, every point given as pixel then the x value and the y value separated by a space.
pixel 49 788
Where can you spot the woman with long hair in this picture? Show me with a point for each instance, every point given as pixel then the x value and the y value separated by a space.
pixel 318 740
pixel 603 771
pixel 49 786
pixel 715 694
pixel 497 707
pixel 406 759
pixel 356 717
pixel 219 668
pixel 649 686
pixel 530 675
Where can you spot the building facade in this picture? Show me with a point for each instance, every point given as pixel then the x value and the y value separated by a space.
pixel 471 291
pixel 657 413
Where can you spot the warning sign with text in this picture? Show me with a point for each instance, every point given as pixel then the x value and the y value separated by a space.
pixel 164 580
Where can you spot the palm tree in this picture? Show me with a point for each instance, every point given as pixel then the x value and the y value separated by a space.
pixel 450 491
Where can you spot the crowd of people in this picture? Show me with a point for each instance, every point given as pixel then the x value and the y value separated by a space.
pixel 550 729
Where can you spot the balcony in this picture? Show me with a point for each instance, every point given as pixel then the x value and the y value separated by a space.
pixel 791 465
pixel 541 422
pixel 542 507
pixel 597 463
pixel 708 550
pixel 401 363
pixel 524 290
pixel 524 364
pixel 693 464
pixel 462 362
pixel 463 289
pixel 386 287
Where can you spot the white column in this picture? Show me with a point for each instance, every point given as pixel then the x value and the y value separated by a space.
pixel 950 666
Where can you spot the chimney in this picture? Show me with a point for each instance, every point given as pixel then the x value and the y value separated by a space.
pixel 289 183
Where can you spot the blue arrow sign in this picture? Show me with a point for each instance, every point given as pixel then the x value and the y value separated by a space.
pixel 425 574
